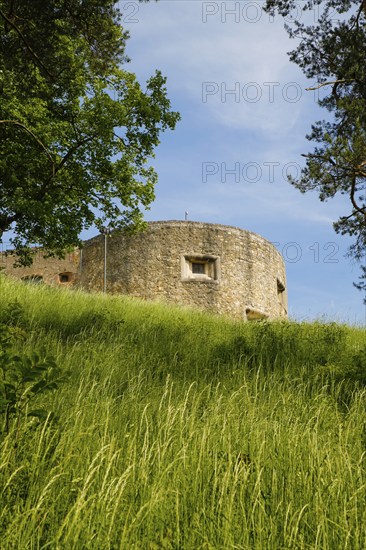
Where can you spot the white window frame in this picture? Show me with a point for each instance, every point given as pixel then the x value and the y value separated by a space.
pixel 211 267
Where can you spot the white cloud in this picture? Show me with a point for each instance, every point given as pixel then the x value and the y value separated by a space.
pixel 205 61
pixel 171 36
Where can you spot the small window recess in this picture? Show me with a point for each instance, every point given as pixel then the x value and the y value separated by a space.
pixel 200 267
pixel 280 287
pixel 281 294
pixel 65 277
pixel 255 315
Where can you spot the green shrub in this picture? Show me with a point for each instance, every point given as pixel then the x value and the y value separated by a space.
pixel 23 378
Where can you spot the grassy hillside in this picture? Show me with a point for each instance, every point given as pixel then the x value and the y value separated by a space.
pixel 178 430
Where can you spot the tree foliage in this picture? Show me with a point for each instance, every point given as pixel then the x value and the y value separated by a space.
pixel 76 129
pixel 331 51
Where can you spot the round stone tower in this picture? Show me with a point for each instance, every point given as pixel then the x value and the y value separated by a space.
pixel 218 268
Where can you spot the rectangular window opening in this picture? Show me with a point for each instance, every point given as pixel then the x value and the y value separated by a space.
pixel 65 277
pixel 255 315
pixel 280 287
pixel 200 267
pixel 281 295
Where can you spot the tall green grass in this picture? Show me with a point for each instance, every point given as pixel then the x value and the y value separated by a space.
pixel 181 430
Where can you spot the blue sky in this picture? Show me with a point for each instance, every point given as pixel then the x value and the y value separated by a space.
pixel 245 113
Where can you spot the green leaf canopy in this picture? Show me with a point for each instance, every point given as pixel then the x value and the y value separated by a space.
pixel 76 129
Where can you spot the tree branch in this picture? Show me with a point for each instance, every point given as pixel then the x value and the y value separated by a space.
pixel 57 167
pixel 40 143
pixel 342 81
pixel 321 157
pixel 352 175
pixel 71 151
pixel 23 39
pixel 361 9
pixel 5 223
pixel 353 200
pixel 120 138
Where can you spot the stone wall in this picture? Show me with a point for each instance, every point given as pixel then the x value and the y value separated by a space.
pixel 219 268
pixel 52 271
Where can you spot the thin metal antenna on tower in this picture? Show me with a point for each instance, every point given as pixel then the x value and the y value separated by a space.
pixel 186 215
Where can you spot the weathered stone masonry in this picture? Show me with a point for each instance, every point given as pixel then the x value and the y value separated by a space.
pixel 52 271
pixel 218 268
